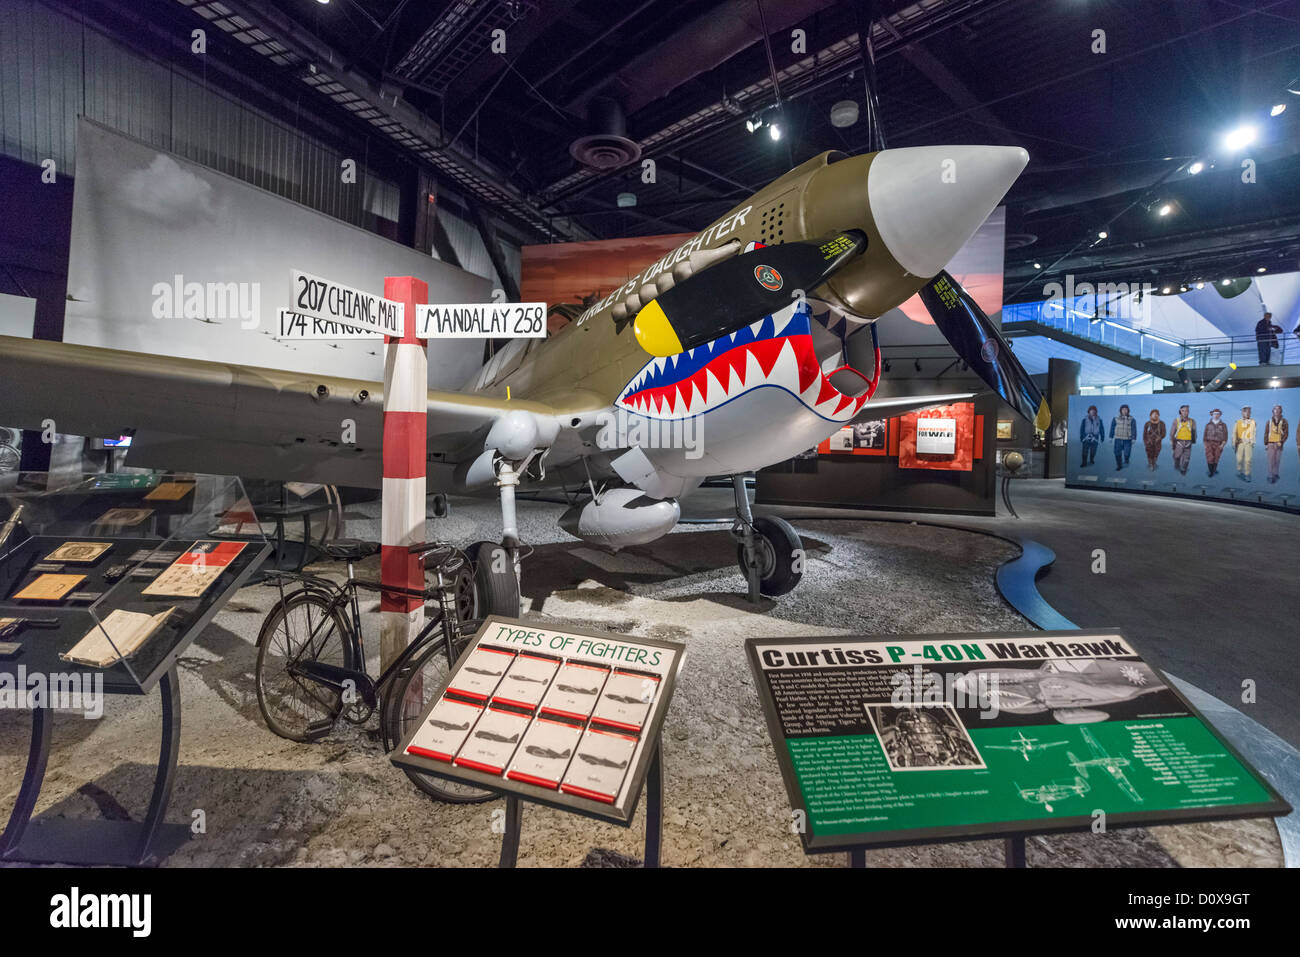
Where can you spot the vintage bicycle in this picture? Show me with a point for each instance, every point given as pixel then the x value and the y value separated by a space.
pixel 311 658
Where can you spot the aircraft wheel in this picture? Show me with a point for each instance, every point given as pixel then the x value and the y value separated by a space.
pixel 780 555
pixel 496 586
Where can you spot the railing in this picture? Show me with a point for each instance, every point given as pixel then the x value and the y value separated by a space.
pixel 1243 350
pixel 1183 353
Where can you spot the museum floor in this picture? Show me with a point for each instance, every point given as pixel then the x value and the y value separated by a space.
pixel 269 802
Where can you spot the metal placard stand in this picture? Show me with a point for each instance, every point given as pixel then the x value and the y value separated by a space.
pixel 654 817
pixel 520 643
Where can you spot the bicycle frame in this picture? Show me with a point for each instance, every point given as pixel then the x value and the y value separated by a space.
pixel 344 598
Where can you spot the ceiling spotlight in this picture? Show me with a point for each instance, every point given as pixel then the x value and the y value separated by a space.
pixel 1102 234
pixel 753 123
pixel 1278 109
pixel 1164 210
pixel 1196 167
pixel 1239 138
pixel 1166 290
pixel 1261 269
pixel 774 131
pixel 1200 285
pixel 322 2
pixel 1226 282
pixel 844 113
pixel 1038 265
pixel 1274 383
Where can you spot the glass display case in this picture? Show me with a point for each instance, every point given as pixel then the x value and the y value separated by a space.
pixel 105 580
pixel 115 574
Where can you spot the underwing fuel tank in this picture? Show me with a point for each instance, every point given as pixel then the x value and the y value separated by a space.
pixel 621 517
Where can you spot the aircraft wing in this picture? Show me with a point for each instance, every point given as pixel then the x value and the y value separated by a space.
pixel 898 404
pixel 227 419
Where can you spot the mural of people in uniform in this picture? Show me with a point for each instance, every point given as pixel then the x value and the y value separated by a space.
pixel 1276 431
pixel 1123 430
pixel 1224 422
pixel 1214 439
pixel 1091 431
pixel 1182 436
pixel 1243 443
pixel 1153 437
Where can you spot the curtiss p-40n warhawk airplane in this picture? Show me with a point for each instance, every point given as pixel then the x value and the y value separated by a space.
pixel 727 335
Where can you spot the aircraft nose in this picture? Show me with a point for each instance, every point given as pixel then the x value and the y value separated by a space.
pixel 927 201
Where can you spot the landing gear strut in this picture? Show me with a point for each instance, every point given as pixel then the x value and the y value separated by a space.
pixel 768 549
pixel 496 567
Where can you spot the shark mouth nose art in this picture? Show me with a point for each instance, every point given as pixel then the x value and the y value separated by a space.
pixel 778 351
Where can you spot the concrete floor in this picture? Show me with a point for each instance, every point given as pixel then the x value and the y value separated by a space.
pixel 269 802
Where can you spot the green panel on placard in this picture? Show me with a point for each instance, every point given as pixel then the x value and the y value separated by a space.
pixel 1168 764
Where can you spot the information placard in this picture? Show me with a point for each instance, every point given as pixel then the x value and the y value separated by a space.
pixel 886 741
pixel 565 718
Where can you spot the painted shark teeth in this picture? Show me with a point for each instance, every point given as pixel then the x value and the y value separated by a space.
pixel 776 351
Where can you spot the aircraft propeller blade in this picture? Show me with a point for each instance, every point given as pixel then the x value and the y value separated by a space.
pixel 740 290
pixel 982 346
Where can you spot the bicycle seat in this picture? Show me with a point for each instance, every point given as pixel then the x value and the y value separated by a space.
pixel 350 549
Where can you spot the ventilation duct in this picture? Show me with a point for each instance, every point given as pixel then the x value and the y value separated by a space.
pixel 606 145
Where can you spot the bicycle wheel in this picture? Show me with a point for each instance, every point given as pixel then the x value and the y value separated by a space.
pixel 419 682
pixel 302 627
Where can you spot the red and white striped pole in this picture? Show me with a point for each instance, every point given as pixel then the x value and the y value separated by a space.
pixel 402 523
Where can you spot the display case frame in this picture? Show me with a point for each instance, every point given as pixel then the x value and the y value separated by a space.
pixel 60 524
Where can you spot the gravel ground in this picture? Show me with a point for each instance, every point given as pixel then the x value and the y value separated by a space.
pixel 270 802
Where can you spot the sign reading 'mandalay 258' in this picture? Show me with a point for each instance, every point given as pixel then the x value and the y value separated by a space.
pixel 348 307
pixel 481 320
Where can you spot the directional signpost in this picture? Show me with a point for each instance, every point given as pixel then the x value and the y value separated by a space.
pixel 326 299
pixel 324 309
pixel 492 320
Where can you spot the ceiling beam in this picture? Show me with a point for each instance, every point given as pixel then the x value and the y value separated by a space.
pixel 468 173
pixel 518 39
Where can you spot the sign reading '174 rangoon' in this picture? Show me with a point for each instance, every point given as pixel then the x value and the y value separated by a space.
pixel 347 307
pixel 491 320
pixel 299 325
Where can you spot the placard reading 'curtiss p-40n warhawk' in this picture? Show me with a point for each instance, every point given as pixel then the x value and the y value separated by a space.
pixel 902 741
pixel 559 717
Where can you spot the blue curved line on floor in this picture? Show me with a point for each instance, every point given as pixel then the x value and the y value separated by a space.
pixel 1017 582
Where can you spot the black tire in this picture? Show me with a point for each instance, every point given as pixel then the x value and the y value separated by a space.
pixel 780 556
pixel 289 705
pixel 496 586
pixel 419 682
